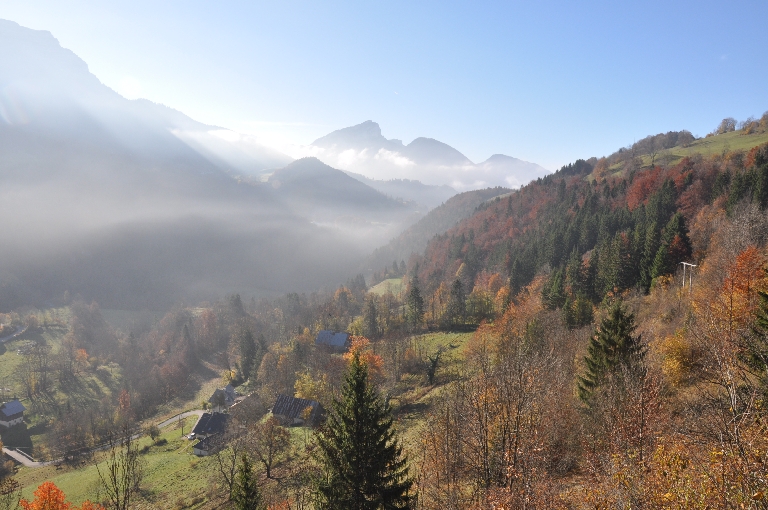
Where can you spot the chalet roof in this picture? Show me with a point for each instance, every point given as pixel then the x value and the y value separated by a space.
pixel 221 395
pixel 332 338
pixel 12 407
pixel 293 408
pixel 204 444
pixel 211 423
pixel 230 391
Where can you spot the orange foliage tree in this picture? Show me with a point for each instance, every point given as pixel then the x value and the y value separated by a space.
pixel 361 347
pixel 50 497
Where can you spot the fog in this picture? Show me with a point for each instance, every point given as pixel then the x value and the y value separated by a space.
pixel 116 201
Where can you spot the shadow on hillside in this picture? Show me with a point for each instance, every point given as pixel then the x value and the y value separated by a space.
pixel 18 437
pixel 81 391
pixel 201 374
pixel 411 408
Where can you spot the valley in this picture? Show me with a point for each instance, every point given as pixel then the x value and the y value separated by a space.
pixel 194 317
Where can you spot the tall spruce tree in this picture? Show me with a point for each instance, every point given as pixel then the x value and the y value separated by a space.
pixel 611 349
pixel 756 345
pixel 371 317
pixel 245 490
pixel 247 353
pixel 364 467
pixel 414 304
pixel 457 304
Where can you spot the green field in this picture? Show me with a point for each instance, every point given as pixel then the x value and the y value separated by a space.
pixel 393 285
pixel 413 398
pixel 173 476
pixel 708 146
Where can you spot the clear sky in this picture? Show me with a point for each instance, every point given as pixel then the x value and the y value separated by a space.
pixel 544 81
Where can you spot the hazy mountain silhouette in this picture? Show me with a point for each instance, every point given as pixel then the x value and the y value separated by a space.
pixel 101 197
pixel 426 196
pixel 331 197
pixel 439 220
pixel 362 149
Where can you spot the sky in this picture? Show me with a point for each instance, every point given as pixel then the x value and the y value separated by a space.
pixel 545 81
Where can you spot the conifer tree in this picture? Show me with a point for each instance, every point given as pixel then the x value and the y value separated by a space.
pixel 414 304
pixel 371 320
pixel 245 491
pixel 457 307
pixel 363 464
pixel 247 353
pixel 611 348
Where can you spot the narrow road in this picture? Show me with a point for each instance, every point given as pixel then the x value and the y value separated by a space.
pixel 19 331
pixel 25 460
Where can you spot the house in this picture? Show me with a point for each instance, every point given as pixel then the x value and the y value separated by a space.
pixel 248 409
pixel 12 413
pixel 222 398
pixel 210 424
pixel 333 340
pixel 204 447
pixel 298 411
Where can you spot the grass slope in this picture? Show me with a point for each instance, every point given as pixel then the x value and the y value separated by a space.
pixel 393 285
pixel 708 146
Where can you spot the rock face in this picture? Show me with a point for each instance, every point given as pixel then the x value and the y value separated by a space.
pixel 362 149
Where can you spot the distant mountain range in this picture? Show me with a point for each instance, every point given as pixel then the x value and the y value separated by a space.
pixel 363 149
pixel 135 204
pixel 100 196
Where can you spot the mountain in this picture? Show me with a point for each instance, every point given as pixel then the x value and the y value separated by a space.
pixel 517 172
pixel 609 225
pixel 426 196
pixel 330 197
pixel 362 149
pixel 416 238
pixel 99 196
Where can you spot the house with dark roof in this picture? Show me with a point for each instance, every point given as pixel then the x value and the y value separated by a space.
pixel 298 411
pixel 12 413
pixel 334 340
pixel 222 398
pixel 210 424
pixel 204 447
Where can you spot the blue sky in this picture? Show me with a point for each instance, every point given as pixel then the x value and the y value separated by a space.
pixel 544 81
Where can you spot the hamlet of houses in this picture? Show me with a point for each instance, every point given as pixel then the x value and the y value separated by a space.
pixel 214 429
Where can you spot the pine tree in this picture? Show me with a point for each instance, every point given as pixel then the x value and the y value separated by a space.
pixel 414 304
pixel 363 463
pixel 611 348
pixel 756 351
pixel 245 491
pixel 457 304
pixel 371 320
pixel 247 353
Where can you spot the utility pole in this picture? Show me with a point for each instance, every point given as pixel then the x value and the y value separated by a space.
pixel 690 274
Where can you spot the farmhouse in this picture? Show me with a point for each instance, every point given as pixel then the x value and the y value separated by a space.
pixel 204 447
pixel 222 399
pixel 334 340
pixel 298 411
pixel 210 424
pixel 11 413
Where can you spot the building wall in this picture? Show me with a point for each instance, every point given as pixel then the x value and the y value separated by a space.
pixel 12 422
